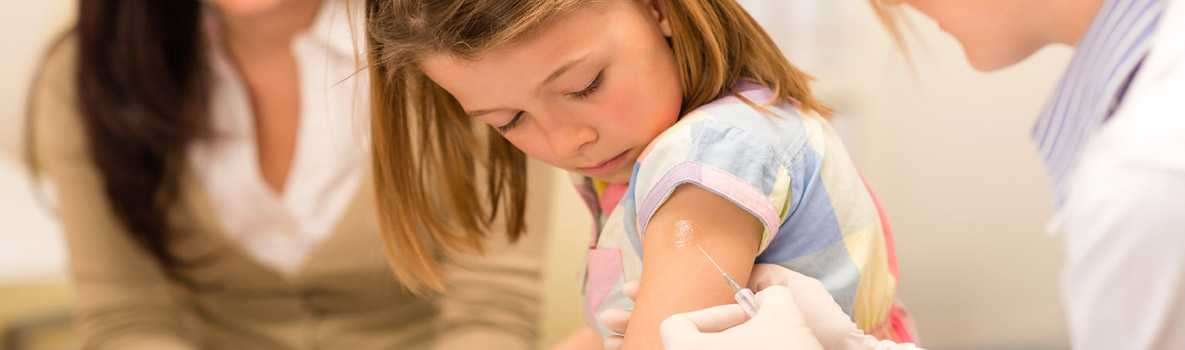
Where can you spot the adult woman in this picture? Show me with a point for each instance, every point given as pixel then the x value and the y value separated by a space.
pixel 213 195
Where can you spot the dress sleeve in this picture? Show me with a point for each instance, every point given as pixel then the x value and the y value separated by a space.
pixel 727 160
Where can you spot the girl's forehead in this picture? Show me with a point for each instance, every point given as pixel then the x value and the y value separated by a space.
pixel 581 32
pixel 522 66
pixel 570 29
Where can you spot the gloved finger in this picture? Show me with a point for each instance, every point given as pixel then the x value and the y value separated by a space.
pixel 800 282
pixel 630 289
pixel 613 343
pixel 700 341
pixel 677 331
pixel 721 327
pixel 805 288
pixel 765 275
pixel 833 327
pixel 616 320
pixel 776 295
pixel 810 294
pixel 710 320
pixel 777 301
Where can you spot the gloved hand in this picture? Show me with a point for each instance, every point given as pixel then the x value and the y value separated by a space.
pixel 778 324
pixel 833 328
pixel 617 320
pixel 808 302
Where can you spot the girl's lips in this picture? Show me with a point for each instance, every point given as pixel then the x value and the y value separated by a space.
pixel 606 167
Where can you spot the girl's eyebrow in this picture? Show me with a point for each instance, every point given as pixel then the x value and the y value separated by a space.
pixel 482 112
pixel 563 69
pixel 553 76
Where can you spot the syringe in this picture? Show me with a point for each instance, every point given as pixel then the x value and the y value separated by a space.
pixel 744 297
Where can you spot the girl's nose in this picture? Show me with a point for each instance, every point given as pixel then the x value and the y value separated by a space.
pixel 573 140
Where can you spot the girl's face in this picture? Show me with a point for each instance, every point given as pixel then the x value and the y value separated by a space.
pixel 994 33
pixel 586 92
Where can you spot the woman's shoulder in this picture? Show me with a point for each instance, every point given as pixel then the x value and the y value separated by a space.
pixel 61 51
pixel 52 111
pixel 57 64
pixel 52 90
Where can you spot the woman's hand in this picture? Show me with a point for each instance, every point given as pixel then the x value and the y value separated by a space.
pixel 778 324
pixel 789 302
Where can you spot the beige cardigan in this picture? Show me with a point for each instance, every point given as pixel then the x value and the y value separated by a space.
pixel 344 297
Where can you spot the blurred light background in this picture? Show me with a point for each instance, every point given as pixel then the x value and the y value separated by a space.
pixel 946 148
pixel 34 294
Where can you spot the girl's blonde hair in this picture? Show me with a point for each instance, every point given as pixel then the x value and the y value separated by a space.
pixel 443 181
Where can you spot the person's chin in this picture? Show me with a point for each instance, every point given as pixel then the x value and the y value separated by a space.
pixel 988 61
pixel 620 176
pixel 245 9
pixel 614 178
pixel 986 66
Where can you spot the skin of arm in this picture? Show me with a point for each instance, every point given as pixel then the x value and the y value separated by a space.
pixel 676 277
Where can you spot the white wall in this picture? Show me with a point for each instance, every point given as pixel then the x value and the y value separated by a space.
pixel 25 27
pixel 30 247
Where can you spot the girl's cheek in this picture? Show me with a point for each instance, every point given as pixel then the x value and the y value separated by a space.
pixel 642 111
pixel 534 147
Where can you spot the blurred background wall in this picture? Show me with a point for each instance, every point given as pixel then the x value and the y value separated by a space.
pixel 33 291
pixel 29 246
pixel 946 148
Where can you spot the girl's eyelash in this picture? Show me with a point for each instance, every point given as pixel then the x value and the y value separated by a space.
pixel 592 87
pixel 511 124
pixel 582 94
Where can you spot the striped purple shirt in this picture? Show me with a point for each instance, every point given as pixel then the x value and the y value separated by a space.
pixel 1094 84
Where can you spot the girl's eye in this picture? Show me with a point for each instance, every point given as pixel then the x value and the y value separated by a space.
pixel 511 124
pixel 591 88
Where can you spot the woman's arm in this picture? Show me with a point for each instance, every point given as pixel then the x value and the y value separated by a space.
pixel 493 300
pixel 676 277
pixel 123 296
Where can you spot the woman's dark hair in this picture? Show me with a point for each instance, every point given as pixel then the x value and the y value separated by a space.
pixel 141 81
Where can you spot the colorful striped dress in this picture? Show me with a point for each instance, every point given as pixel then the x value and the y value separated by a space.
pixel 785 167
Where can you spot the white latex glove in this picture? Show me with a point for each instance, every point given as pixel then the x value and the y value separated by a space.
pixel 778 325
pixel 617 320
pixel 810 301
pixel 833 328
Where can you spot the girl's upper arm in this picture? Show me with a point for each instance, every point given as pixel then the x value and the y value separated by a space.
pixel 676 277
pixel 719 179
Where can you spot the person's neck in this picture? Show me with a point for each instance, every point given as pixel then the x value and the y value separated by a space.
pixel 1070 20
pixel 270 31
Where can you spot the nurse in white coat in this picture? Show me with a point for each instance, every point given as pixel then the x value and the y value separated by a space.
pixel 1113 141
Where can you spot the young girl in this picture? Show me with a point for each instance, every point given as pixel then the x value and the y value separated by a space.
pixel 686 128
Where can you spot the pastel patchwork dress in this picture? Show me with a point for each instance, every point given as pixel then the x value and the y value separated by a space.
pixel 785 167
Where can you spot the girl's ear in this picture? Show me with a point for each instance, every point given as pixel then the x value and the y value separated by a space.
pixel 659 12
